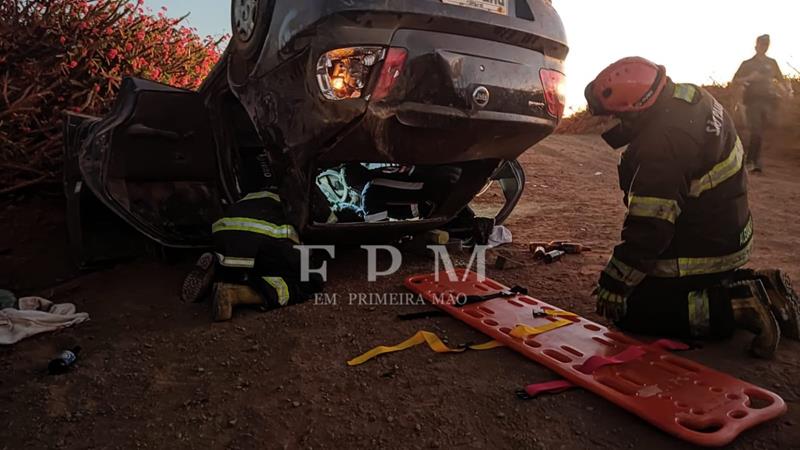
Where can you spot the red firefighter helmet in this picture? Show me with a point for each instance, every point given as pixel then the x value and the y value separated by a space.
pixel 629 85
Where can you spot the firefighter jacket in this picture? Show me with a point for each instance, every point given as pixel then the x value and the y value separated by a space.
pixel 255 243
pixel 685 189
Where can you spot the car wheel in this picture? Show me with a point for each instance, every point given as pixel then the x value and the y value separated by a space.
pixel 250 21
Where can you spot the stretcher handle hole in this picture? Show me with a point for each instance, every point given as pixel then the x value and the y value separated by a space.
pixel 533 344
pixel 620 338
pixel 698 411
pixel 737 414
pixel 485 310
pixel 758 400
pixel 520 305
pixel 700 427
pixel 558 356
pixel 682 363
pixel 475 314
pixel 494 286
pixel 681 405
pixel 719 390
pixel 733 397
pixel 592 327
pixel 569 349
pixel 491 322
pixel 602 341
pixel 528 300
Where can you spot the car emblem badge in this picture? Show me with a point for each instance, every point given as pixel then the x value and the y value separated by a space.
pixel 481 96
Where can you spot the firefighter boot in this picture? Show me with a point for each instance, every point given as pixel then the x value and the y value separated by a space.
pixel 784 301
pixel 198 282
pixel 750 311
pixel 227 296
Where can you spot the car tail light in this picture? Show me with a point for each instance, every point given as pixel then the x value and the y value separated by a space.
pixel 553 83
pixel 390 72
pixel 343 73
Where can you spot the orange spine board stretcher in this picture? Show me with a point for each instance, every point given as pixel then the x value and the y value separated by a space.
pixel 681 397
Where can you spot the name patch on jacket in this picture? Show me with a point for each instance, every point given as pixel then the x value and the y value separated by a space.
pixel 714 124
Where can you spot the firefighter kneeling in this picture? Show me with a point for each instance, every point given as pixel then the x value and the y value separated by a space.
pixel 688 230
pixel 255 260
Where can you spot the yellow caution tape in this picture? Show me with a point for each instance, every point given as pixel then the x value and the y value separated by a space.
pixel 423 337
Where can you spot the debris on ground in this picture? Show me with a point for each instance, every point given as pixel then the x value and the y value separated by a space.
pixel 64 361
pixel 7 299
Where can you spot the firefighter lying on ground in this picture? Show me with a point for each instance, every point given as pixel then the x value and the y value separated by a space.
pixel 688 230
pixel 255 261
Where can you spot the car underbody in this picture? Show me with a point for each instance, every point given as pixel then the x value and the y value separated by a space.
pixel 320 101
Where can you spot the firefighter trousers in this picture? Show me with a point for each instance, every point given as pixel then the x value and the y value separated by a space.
pixel 759 115
pixel 687 308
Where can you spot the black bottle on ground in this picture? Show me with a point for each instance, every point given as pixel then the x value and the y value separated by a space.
pixel 64 361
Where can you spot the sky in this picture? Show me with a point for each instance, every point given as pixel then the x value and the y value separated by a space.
pixel 700 41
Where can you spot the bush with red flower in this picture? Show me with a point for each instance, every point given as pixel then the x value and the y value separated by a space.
pixel 71 55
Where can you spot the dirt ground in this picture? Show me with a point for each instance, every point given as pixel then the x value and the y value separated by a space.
pixel 155 373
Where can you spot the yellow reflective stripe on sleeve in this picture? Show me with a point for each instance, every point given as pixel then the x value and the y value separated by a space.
pixel 256 226
pixel 281 289
pixel 620 271
pixel 685 92
pixel 721 172
pixel 699 313
pixel 236 263
pixel 654 207
pixel 422 337
pixel 260 195
pixel 684 267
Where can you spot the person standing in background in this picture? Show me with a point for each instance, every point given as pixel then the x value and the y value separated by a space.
pixel 763 83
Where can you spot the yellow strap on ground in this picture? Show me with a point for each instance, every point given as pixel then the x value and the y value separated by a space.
pixel 487 346
pixel 423 337
pixel 436 344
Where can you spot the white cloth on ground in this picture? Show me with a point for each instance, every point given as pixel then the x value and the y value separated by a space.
pixel 34 316
pixel 500 236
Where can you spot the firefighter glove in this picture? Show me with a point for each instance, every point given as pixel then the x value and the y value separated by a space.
pixel 612 298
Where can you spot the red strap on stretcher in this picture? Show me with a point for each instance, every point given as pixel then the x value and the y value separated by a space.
pixel 594 363
pixel 681 397
pixel 548 387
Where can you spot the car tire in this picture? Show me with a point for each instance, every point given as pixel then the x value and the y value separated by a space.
pixel 511 176
pixel 250 23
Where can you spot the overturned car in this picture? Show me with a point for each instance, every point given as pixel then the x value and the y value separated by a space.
pixel 324 101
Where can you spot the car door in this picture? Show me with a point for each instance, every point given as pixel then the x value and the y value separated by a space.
pixel 153 162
